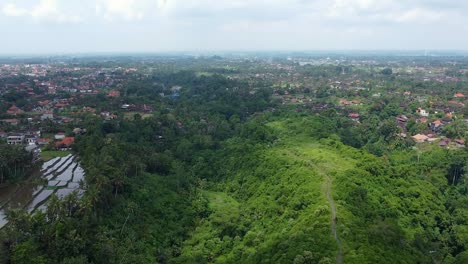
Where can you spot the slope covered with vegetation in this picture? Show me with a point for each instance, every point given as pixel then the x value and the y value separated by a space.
pixel 271 204
pixel 221 174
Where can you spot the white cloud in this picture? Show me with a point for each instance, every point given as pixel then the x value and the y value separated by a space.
pixel 228 24
pixel 45 10
pixel 125 9
pixel 13 10
pixel 420 15
pixel 161 4
pixel 347 8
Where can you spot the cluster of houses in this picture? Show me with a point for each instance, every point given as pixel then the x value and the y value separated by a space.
pixel 33 138
pixel 47 103
pixel 29 139
pixel 442 141
pixel 137 108
pixel 434 119
pixel 434 128
pixel 434 115
pixel 37 115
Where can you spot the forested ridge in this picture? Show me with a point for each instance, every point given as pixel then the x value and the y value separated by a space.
pixel 221 173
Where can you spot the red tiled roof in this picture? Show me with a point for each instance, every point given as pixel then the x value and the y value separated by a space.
pixel 113 93
pixel 67 141
pixel 13 110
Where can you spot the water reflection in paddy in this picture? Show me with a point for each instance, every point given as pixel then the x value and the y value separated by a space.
pixel 59 175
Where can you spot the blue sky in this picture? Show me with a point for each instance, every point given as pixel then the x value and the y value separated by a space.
pixel 70 26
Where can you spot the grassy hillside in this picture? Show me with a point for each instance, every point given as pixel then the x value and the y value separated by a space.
pixel 277 209
pixel 272 206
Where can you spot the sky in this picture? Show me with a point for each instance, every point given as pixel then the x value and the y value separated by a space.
pixel 82 26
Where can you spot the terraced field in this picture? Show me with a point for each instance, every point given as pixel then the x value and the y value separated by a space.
pixel 60 176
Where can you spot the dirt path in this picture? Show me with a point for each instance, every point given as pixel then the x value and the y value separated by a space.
pixel 324 169
pixel 339 257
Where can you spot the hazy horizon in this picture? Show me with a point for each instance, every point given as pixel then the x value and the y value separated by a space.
pixel 356 52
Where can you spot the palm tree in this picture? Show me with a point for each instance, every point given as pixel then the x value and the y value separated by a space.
pixel 19 222
pixel 54 208
pixel 71 202
pixel 90 200
pixel 2 166
pixel 118 182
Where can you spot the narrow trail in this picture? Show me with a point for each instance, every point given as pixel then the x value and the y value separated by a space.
pixel 324 171
pixel 339 257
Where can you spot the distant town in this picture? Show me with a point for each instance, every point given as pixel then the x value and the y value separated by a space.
pixel 43 105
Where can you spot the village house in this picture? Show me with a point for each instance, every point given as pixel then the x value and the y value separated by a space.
pixel 12 122
pixel 14 110
pixel 401 121
pixel 452 143
pixel 444 142
pixel 51 90
pixel 60 105
pixel 59 136
pixel 354 117
pixel 420 138
pixel 113 93
pixel 15 139
pixel 108 115
pixel 459 143
pixel 47 115
pixel 44 103
pixel 36 133
pixel 43 141
pixel 30 139
pixel 88 109
pixel 436 125
pixel 422 112
pixel 79 131
pixel 65 143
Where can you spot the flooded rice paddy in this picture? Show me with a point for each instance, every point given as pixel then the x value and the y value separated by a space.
pixel 60 176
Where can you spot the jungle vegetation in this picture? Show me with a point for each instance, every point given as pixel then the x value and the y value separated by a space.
pixel 222 173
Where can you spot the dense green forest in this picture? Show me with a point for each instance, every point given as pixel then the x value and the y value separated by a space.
pixel 15 163
pixel 222 173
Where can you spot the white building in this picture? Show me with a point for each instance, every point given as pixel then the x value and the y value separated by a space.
pixel 59 136
pixel 31 140
pixel 16 139
pixel 422 112
pixel 47 115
